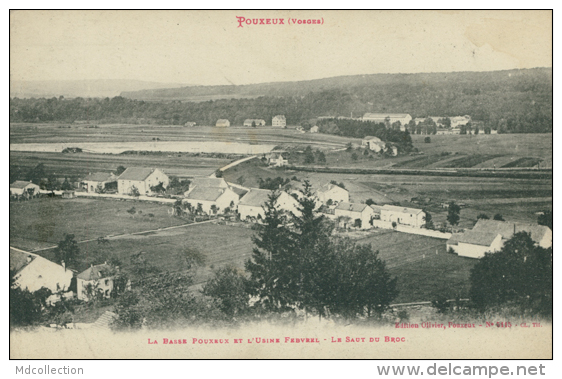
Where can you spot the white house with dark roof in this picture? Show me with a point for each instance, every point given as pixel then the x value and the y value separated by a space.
pixel 142 179
pixel 32 272
pixel 491 235
pixel 220 198
pixel 368 139
pixel 222 123
pixel 251 205
pixel 542 235
pixel 100 277
pixel 206 183
pixel 279 121
pixel 348 213
pixel 23 188
pixel 475 244
pixel 332 192
pixel 458 121
pixel 403 215
pixel 277 159
pixel 98 180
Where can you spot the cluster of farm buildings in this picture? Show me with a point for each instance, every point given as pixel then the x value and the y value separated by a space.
pixel 32 272
pixel 278 121
pixel 401 119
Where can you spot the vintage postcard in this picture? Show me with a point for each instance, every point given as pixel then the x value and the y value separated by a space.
pixel 280 184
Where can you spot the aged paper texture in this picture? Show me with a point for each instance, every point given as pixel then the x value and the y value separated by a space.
pixel 143 145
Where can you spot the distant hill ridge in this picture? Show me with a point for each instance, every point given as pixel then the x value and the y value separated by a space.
pixel 345 83
pixel 512 101
pixel 81 88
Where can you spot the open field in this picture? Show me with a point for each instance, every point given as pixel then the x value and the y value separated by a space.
pixel 40 223
pixel 422 265
pixel 78 165
pixel 61 134
pixel 454 151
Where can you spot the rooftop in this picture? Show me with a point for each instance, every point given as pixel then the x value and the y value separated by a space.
pixel 96 272
pixel 19 259
pixel 20 184
pixel 352 207
pixel 255 197
pixel 328 186
pixel 475 238
pixel 401 209
pixel 384 115
pixel 100 177
pixel 208 182
pixel 136 173
pixel 205 193
pixel 508 229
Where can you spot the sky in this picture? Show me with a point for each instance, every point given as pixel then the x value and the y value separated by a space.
pixel 210 47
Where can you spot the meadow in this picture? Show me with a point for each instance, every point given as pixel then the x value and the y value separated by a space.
pixel 497 151
pixel 41 223
pixel 78 165
pixel 422 265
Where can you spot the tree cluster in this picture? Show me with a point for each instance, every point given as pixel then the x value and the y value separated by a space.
pixel 362 129
pixel 519 274
pixel 301 267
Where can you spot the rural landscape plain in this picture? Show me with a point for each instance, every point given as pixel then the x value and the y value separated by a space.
pixel 364 201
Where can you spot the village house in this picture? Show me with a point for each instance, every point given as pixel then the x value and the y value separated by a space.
pixel 190 124
pixel 354 215
pixel 32 272
pixel 251 205
pixel 276 159
pixel 206 183
pixel 474 244
pixel 332 192
pixel 373 143
pixel 96 278
pixel 23 188
pixel 402 215
pixel 213 200
pixel 314 129
pixel 97 181
pixel 404 118
pixel 222 123
pixel 436 119
pixel 458 121
pixel 142 179
pixel 279 121
pixel 254 122
pixel 542 235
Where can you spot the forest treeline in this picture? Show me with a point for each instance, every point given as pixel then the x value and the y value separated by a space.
pixel 516 101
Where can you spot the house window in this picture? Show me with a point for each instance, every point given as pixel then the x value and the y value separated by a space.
pixel 106 282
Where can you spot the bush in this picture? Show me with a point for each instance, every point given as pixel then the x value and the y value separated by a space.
pixel 427 140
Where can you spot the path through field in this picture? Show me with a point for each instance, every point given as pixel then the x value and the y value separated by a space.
pixel 144 232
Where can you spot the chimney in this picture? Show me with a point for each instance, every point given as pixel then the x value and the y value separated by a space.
pixel 513 228
pixel 28 258
pixel 63 265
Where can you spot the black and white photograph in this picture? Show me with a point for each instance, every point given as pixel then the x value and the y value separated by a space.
pixel 286 184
